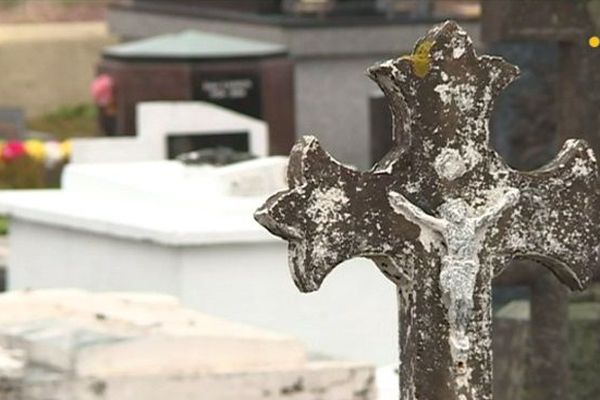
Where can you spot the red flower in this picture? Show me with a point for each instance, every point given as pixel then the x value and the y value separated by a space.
pixel 12 149
pixel 103 90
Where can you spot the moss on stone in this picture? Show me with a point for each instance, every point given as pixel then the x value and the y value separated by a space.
pixel 421 59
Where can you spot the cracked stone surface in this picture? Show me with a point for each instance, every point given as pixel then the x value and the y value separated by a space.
pixel 404 213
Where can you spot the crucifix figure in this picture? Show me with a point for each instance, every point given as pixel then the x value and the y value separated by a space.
pixel 460 263
pixel 441 213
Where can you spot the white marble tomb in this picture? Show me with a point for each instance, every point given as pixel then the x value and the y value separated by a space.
pixel 188 231
pixel 157 121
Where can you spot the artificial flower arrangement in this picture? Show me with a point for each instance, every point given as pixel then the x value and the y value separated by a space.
pixel 32 163
pixel 103 93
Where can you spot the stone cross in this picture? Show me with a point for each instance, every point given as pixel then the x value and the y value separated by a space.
pixel 440 214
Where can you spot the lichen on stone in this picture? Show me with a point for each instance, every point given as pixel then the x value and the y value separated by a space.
pixel 421 59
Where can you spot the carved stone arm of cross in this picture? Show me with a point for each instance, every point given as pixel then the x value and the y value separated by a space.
pixel 557 218
pixel 506 200
pixel 331 213
pixel 414 214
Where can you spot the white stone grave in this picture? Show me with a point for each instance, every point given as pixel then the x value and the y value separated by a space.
pixel 188 231
pixel 157 121
pixel 72 344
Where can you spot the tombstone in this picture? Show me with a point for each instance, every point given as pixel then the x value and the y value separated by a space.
pixel 12 123
pixel 251 77
pixel 185 128
pixel 441 213
pixel 73 344
pixel 169 129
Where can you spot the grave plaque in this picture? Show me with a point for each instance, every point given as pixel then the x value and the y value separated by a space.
pixel 441 213
pixel 238 92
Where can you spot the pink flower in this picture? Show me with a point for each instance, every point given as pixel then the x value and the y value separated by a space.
pixel 12 149
pixel 103 90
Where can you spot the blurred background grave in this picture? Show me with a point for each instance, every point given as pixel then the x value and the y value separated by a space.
pixel 330 44
pixel 168 129
pixel 12 123
pixel 556 98
pixel 251 77
pixel 187 230
pixel 72 344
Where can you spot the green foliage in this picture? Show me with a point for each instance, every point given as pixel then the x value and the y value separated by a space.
pixel 3 225
pixel 583 348
pixel 11 3
pixel 68 122
pixel 23 173
pixel 584 351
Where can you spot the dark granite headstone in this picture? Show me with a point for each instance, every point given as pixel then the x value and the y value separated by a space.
pixel 251 77
pixel 12 123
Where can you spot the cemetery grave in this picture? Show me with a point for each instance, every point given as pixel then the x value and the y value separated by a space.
pixel 328 53
pixel 441 213
pixel 168 129
pixel 126 218
pixel 254 78
pixel 73 344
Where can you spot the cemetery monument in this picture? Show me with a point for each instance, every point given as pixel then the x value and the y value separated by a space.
pixel 251 77
pixel 441 214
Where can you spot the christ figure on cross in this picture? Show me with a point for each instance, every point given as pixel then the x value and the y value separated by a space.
pixel 460 231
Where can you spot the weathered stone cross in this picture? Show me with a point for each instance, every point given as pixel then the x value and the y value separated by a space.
pixel 441 214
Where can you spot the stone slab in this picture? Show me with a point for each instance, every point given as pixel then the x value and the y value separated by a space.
pixel 72 344
pixel 89 334
pixel 155 201
pixel 317 381
pixel 176 181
